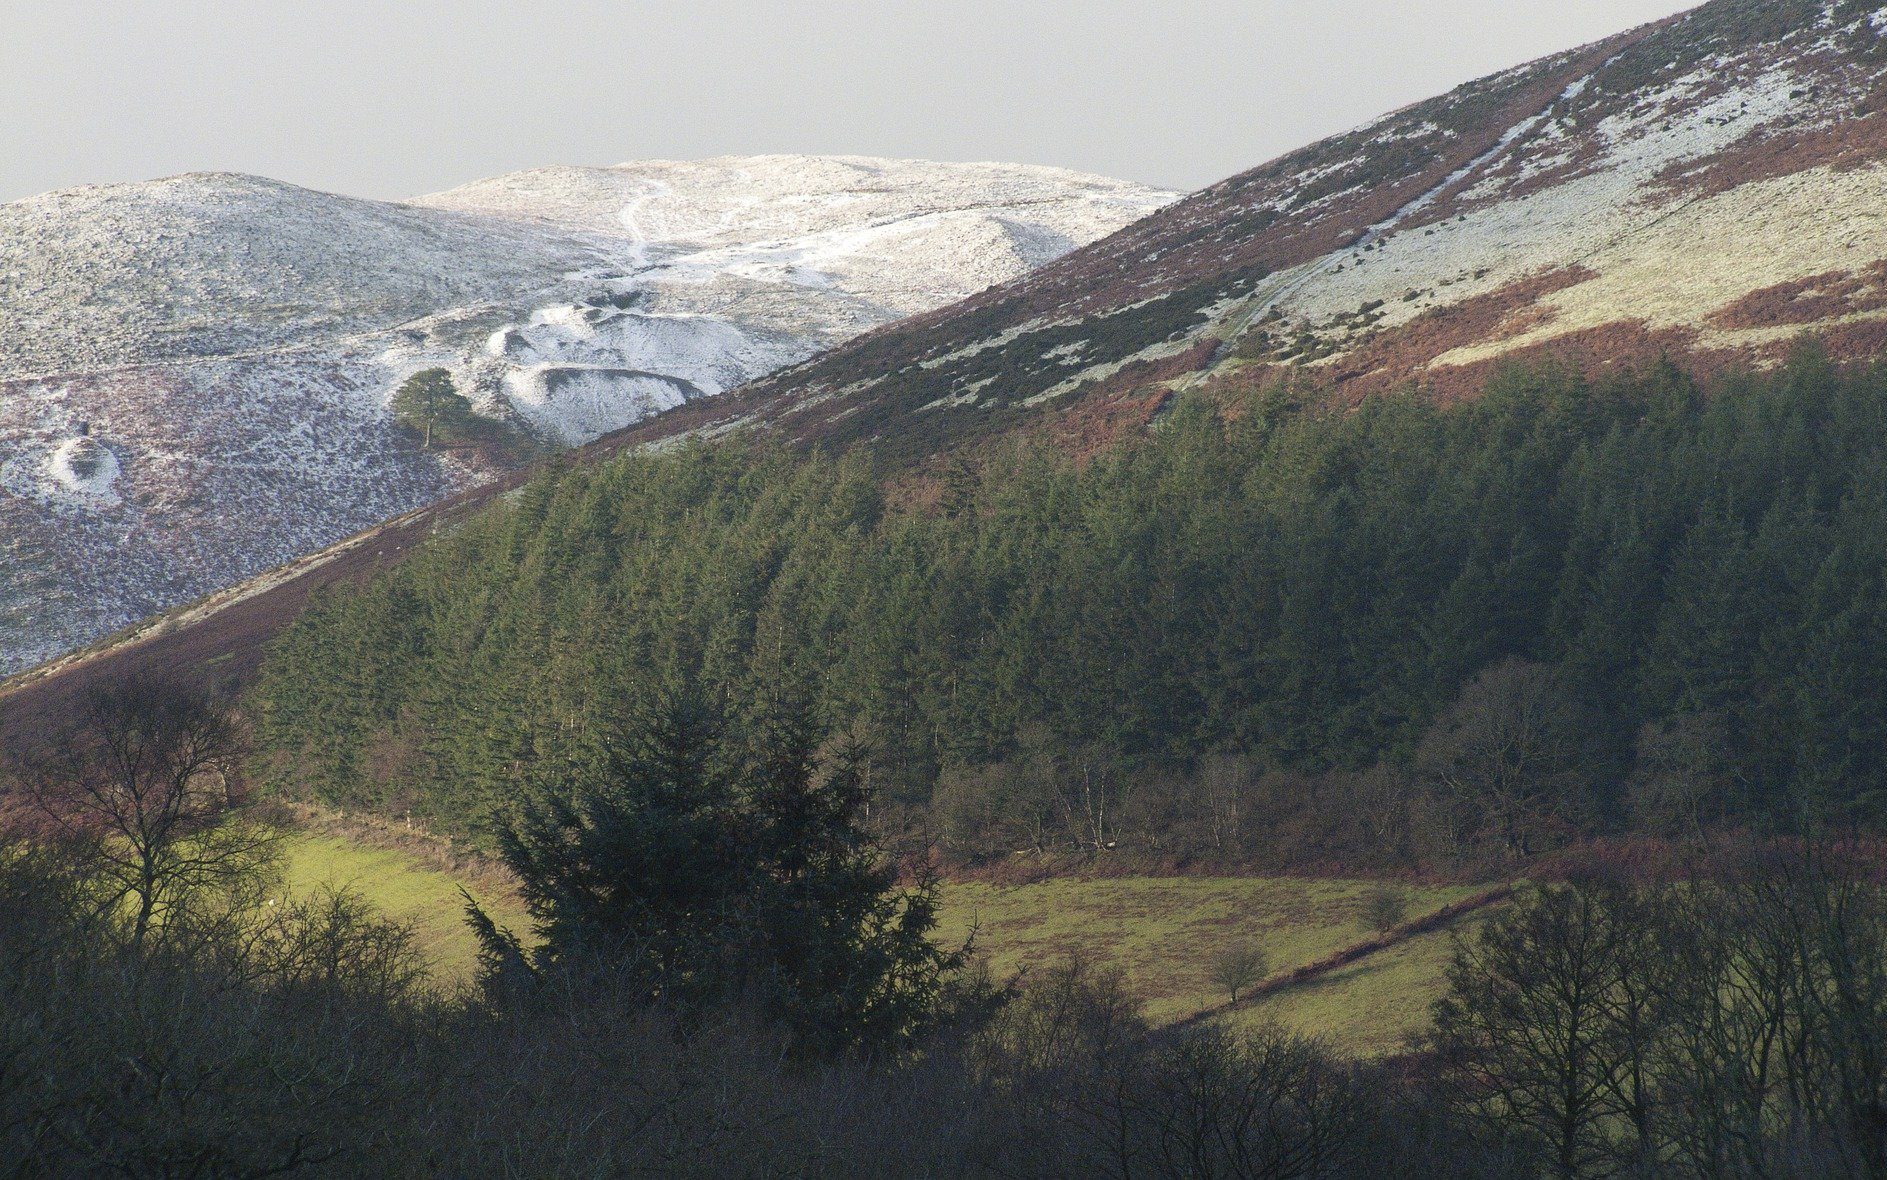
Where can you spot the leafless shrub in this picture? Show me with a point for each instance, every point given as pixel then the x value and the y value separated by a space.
pixel 144 793
pixel 1237 968
pixel 1385 907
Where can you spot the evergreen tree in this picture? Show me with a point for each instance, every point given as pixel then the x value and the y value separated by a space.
pixel 430 404
pixel 696 874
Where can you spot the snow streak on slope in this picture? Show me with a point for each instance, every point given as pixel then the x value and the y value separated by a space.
pixel 1275 291
pixel 194 372
pixel 1710 186
pixel 1615 225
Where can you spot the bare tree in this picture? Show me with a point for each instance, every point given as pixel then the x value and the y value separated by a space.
pixel 144 786
pixel 1225 782
pixel 1000 807
pixel 1809 931
pixel 1384 907
pixel 1544 1027
pixel 332 941
pixel 1376 804
pixel 1682 782
pixel 1238 967
pixel 1264 1104
pixel 1091 791
pixel 1510 752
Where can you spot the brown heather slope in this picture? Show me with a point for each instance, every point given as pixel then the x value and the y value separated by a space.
pixel 1709 186
pixel 1600 206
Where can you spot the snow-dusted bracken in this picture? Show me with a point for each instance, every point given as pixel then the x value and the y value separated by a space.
pixel 1708 187
pixel 194 372
pixel 1613 192
pixel 1506 232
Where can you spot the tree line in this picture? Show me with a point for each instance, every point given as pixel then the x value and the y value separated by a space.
pixel 1270 625
pixel 725 977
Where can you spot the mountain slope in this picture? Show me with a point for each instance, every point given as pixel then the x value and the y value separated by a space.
pixel 1709 185
pixel 194 372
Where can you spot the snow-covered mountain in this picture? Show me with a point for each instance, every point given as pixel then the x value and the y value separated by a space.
pixel 195 371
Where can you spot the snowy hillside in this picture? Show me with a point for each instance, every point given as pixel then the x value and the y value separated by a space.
pixel 1709 187
pixel 194 372
pixel 1733 198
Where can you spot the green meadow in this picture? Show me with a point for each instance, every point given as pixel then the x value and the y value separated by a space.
pixel 1160 932
pixel 1163 932
pixel 408 889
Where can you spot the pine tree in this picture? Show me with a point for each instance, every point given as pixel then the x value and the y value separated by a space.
pixel 430 403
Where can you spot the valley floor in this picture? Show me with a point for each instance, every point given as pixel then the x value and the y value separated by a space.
pixel 1160 932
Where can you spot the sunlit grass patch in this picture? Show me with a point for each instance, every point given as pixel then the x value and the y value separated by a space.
pixel 1163 932
pixel 406 889
pixel 1371 1007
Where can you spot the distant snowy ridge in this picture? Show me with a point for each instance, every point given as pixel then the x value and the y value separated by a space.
pixel 716 271
pixel 194 371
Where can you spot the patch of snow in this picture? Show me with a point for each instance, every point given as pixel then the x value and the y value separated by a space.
pixel 1584 220
pixel 1788 228
pixel 576 403
pixel 84 468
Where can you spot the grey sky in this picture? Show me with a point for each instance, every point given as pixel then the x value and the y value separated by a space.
pixel 391 98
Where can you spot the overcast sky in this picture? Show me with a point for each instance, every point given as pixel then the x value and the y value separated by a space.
pixel 392 98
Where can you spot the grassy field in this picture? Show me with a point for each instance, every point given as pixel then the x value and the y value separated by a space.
pixel 407 889
pixel 1370 1007
pixel 1161 932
